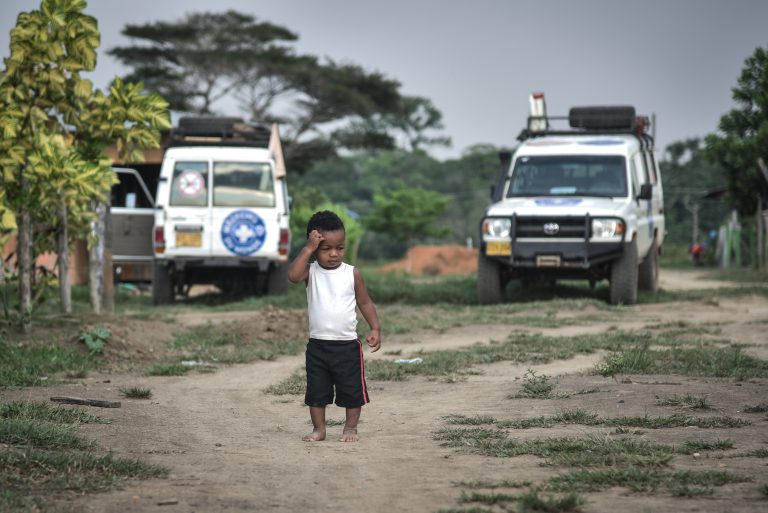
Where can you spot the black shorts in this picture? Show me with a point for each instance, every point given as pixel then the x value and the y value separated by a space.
pixel 335 364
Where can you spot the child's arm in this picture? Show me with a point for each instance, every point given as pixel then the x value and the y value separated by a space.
pixel 299 269
pixel 368 309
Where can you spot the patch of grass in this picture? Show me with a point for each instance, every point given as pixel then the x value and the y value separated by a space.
pixel 40 411
pixel 762 452
pixel 167 369
pixel 295 384
pixel 136 393
pixel 27 471
pixel 475 420
pixel 646 480
pixel 489 499
pixel 492 485
pixel 675 421
pixel 95 339
pixel 537 385
pixel 692 446
pixel 230 343
pixel 34 364
pixel 685 401
pixel 587 451
pixel 466 510
pixel 700 361
pixel 759 408
pixel 532 501
pixel 31 433
pixel 764 489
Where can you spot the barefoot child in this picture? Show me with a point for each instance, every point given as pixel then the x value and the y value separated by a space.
pixel 334 352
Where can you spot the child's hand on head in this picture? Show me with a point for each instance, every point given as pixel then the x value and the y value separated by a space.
pixel 314 239
pixel 374 340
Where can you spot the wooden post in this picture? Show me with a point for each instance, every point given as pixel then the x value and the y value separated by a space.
pixel 759 232
pixel 108 298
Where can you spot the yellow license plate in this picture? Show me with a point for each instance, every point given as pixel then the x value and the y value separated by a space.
pixel 191 239
pixel 498 248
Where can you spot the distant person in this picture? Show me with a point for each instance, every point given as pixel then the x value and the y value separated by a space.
pixel 334 357
pixel 697 253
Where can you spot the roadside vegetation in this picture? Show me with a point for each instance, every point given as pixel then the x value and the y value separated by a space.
pixel 44 456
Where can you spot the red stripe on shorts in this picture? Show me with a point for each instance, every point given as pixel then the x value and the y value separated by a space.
pixel 362 373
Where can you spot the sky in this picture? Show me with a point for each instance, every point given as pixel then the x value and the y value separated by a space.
pixel 479 60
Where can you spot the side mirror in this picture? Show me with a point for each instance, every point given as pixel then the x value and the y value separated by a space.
pixel 646 191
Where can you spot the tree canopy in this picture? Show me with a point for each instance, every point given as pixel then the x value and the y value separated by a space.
pixel 205 58
pixel 742 137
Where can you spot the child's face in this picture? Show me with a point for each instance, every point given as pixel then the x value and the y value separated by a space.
pixel 330 252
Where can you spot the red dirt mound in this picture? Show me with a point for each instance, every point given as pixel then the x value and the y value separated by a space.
pixel 434 260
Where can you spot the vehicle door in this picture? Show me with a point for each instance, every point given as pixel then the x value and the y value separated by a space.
pixel 641 207
pixel 657 201
pixel 244 209
pixel 187 216
pixel 132 214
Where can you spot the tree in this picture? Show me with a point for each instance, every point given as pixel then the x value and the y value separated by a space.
pixel 54 129
pixel 407 213
pixel 415 118
pixel 743 135
pixel 204 58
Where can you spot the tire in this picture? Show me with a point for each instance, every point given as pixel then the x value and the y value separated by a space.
pixel 491 286
pixel 623 287
pixel 648 274
pixel 277 280
pixel 162 284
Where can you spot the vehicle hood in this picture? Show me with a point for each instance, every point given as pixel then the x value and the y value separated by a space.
pixel 558 206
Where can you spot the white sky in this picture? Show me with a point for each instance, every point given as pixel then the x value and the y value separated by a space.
pixel 478 60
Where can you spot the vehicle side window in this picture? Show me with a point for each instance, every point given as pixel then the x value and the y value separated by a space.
pixel 189 187
pixel 243 184
pixel 635 177
pixel 128 193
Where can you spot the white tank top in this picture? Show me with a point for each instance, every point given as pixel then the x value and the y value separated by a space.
pixel 331 302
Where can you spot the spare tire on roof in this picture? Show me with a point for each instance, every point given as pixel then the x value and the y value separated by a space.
pixel 620 117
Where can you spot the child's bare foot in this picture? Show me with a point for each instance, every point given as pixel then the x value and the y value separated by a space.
pixel 317 435
pixel 349 435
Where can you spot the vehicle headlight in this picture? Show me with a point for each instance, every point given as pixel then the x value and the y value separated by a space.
pixel 607 228
pixel 497 227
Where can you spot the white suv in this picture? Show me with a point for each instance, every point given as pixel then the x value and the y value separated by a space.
pixel 578 203
pixel 222 212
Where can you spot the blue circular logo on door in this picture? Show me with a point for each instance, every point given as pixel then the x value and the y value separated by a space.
pixel 243 232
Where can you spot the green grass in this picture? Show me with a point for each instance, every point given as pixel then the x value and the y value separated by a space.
pixel 136 393
pixel 31 433
pixel 645 480
pixel 532 501
pixel 295 384
pixel 29 472
pixel 758 408
pixel 231 342
pixel 586 418
pixel 27 364
pixel 39 411
pixel 492 485
pixel 167 369
pixel 728 362
pixel 692 446
pixel 685 401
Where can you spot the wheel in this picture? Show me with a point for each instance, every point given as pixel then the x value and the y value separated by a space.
pixel 277 280
pixel 648 274
pixel 623 287
pixel 491 286
pixel 162 284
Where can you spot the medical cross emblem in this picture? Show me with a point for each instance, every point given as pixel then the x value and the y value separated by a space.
pixel 243 232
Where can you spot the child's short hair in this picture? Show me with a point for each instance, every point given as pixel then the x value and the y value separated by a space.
pixel 325 220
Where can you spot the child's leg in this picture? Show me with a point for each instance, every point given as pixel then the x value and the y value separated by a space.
pixel 317 414
pixel 350 426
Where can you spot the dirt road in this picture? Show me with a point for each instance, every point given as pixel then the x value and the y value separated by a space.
pixel 232 447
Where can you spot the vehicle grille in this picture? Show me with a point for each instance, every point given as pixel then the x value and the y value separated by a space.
pixel 568 227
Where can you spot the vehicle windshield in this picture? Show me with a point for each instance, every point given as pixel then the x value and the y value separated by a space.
pixel 569 175
pixel 243 184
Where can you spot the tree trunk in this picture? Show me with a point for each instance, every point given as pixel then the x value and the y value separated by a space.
pixel 96 260
pixel 108 291
pixel 25 264
pixel 65 288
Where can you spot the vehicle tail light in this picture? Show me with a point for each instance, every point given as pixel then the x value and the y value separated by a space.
pixel 159 239
pixel 285 241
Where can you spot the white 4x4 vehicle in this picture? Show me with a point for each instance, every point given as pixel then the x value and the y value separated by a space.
pixel 222 212
pixel 579 203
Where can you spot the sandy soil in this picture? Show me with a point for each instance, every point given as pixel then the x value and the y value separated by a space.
pixel 232 447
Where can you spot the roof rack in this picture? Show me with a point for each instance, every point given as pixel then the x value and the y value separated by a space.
pixel 218 131
pixel 600 120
